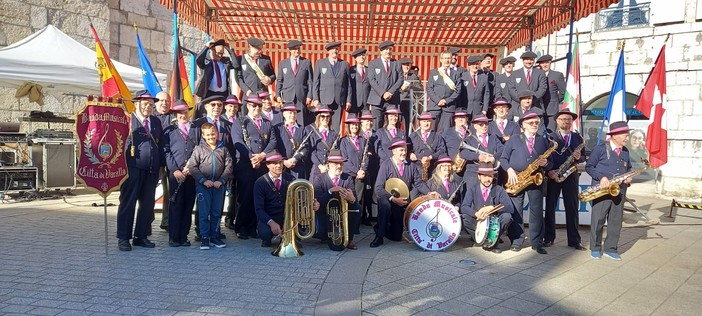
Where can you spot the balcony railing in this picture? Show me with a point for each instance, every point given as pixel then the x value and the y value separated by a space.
pixel 623 17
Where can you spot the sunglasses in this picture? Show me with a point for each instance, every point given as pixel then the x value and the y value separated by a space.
pixel 534 123
pixel 254 105
pixel 325 116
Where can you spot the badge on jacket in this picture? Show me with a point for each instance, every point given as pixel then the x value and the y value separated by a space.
pixel 353 76
pixel 518 80
pixel 377 71
pixel 324 70
pixel 285 71
pixel 436 77
pixel 502 85
pixel 207 61
pixel 243 67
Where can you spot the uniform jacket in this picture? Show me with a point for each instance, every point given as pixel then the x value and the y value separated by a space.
pixel 332 84
pixel 555 91
pixel 384 140
pixel 437 90
pixel 353 156
pixel 515 154
pixel 263 140
pixel 204 62
pixel 511 129
pixel 411 176
pixel 434 146
pixel 473 199
pixel 440 188
pixel 287 145
pixel 176 148
pixel 147 153
pixel 494 147
pixel 294 87
pixel 476 99
pixel 405 95
pixel 381 81
pixel 247 78
pixel 268 202
pixel 564 151
pixel 360 89
pixel 323 183
pixel 502 84
pixel 604 162
pixel 453 140
pixel 538 84
pixel 319 148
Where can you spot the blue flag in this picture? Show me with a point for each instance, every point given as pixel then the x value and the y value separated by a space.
pixel 616 106
pixel 149 77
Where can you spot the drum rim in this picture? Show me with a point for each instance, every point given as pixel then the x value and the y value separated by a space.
pixel 422 200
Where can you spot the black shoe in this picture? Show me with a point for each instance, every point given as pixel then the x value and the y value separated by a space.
pixel 548 243
pixel 494 250
pixel 266 243
pixel 253 234
pixel 186 243
pixel 242 236
pixel 205 244
pixel 124 245
pixel 376 242
pixel 197 238
pixel 218 243
pixel 229 225
pixel 579 247
pixel 172 243
pixel 516 248
pixel 540 250
pixel 367 223
pixel 375 228
pixel 143 242
pixel 221 236
pixel 164 227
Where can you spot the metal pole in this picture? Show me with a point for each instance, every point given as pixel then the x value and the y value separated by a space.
pixel 104 204
pixel 570 38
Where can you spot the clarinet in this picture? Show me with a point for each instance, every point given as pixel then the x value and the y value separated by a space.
pixel 245 133
pixel 453 195
pixel 302 144
pixel 365 153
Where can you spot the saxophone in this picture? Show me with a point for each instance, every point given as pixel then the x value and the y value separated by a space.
pixel 613 189
pixel 299 218
pixel 338 222
pixel 568 167
pixel 459 163
pixel 529 175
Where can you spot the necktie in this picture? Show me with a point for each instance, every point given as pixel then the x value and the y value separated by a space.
pixel 255 60
pixel 531 144
pixel 462 132
pixel 484 140
pixel 185 131
pixel 324 135
pixel 269 115
pixel 387 67
pixel 146 126
pixel 291 128
pixel 566 138
pixel 363 73
pixel 333 62
pixel 355 143
pixel 295 67
pixel 502 126
pixel 336 181
pixel 367 134
pixel 618 151
pixel 426 135
pixel 475 82
pixel 401 168
pixel 217 74
pixel 528 76
pixel 277 184
pixel 258 123
pixel 231 119
pixel 446 185
pixel 486 192
pixel 393 133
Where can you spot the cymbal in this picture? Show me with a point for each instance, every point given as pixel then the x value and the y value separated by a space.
pixel 397 188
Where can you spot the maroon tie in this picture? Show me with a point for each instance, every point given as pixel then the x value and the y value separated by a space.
pixel 217 74
pixel 502 127
pixel 146 126
pixel 475 82
pixel 486 192
pixel 426 135
pixel 324 135
pixel 185 131
pixel 295 67
pixel 363 73
pixel 618 151
pixel 291 128
pixel 484 140
pixel 277 184
pixel 566 138
pixel 336 181
pixel 387 67
pixel 401 168
pixel 447 186
pixel 528 76
pixel 258 123
pixel 531 145
pixel 355 143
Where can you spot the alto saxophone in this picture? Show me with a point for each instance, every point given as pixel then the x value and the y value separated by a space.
pixel 338 222
pixel 568 167
pixel 299 218
pixel 425 170
pixel 613 189
pixel 529 175
pixel 459 163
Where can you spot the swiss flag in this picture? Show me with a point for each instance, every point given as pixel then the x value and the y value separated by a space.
pixel 652 104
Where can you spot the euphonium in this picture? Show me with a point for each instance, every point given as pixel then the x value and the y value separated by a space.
pixel 529 175
pixel 338 222
pixel 613 189
pixel 298 218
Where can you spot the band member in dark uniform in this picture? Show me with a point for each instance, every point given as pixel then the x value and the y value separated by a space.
pixel 353 147
pixel 143 162
pixel 502 126
pixel 324 139
pixel 268 111
pixel 290 136
pixel 555 90
pixel 360 87
pixel 444 92
pixel 455 136
pixel 567 144
pixel 231 108
pixel 372 163
pixel 331 86
pixel 269 192
pixel 484 193
pixel 385 77
pixel 484 141
pixel 519 152
pixel 389 131
pixel 253 137
pixel 391 209
pixel 231 114
pixel 333 181
pixel 475 89
pixel 256 72
pixel 295 82
pixel 606 161
pixel 445 182
pixel 526 99
pixel 426 145
pixel 178 142
pixel 164 114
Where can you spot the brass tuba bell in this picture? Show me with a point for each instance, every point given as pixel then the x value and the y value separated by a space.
pixel 299 218
pixel 338 222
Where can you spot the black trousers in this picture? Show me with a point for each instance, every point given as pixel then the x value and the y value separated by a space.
pixel 442 120
pixel 232 207
pixel 536 217
pixel 569 189
pixel 166 196
pixel 470 222
pixel 390 220
pixel 181 208
pixel 246 221
pixel 405 109
pixel 140 187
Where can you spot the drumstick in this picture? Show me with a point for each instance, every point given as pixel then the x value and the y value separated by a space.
pixel 495 209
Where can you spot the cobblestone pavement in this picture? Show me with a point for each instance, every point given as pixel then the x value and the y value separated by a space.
pixel 53 262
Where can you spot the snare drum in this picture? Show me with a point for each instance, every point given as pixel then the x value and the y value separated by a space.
pixel 481 231
pixel 433 224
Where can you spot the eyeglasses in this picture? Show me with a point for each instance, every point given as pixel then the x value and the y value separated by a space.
pixel 533 123
pixel 481 124
pixel 254 105
pixel 325 116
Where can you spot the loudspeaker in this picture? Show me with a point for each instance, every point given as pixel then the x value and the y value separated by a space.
pixel 57 164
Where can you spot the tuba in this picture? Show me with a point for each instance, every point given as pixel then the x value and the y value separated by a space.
pixel 530 176
pixel 338 222
pixel 299 218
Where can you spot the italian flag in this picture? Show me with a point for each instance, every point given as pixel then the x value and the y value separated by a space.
pixel 571 100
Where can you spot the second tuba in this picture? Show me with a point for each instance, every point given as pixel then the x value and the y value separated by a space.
pixel 299 218
pixel 338 222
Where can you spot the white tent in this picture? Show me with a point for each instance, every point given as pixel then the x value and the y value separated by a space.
pixel 60 64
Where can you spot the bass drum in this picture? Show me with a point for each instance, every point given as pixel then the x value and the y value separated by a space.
pixel 408 212
pixel 433 224
pixel 493 232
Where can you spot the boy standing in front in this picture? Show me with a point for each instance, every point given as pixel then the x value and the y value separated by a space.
pixel 211 166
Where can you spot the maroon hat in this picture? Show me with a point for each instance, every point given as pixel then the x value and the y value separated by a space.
pixel 322 109
pixel 289 107
pixel 351 118
pixel 460 113
pixel 254 99
pixel 480 118
pixel 426 116
pixel 335 156
pixel 564 111
pixel 444 159
pixel 391 109
pixel 618 128
pixel 501 101
pixel 397 142
pixel 144 95
pixel 528 115
pixel 232 100
pixel 274 156
pixel 180 105
pixel 366 115
pixel 486 168
pixel 263 94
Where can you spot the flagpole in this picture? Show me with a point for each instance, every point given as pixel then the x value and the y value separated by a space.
pixel 570 38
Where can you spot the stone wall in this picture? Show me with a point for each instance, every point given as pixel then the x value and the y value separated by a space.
pixel 113 20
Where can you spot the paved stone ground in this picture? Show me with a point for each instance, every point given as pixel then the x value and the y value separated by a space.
pixel 53 262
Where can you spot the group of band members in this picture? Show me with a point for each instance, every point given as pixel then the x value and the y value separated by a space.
pixel 494 123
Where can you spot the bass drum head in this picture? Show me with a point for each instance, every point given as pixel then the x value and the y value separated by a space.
pixel 493 232
pixel 411 206
pixel 481 231
pixel 434 224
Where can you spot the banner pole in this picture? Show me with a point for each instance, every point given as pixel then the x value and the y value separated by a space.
pixel 104 203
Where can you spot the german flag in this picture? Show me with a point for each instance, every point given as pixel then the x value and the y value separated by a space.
pixel 110 80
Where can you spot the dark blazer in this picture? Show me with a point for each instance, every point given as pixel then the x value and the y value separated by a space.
pixel 323 183
pixel 294 87
pixel 515 154
pixel 276 117
pixel 287 144
pixel 453 140
pixel 405 96
pixel 269 203
pixel 501 89
pixel 412 176
pixel 332 84
pixel 494 147
pixel 519 113
pixel 437 90
pixel 247 78
pixel 422 149
pixel 381 81
pixel 319 149
pixel 440 188
pixel 147 153
pixel 491 77
pixel 511 129
pixel 478 98
pixel 204 62
pixel 165 119
pixel 538 84
pixel 353 156
pixel 360 89
pixel 473 199
pixel 263 140
pixel 562 153
pixel 555 91
pixel 604 162
pixel 177 149
pixel 384 140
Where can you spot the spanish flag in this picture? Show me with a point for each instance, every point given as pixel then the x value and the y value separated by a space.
pixel 110 80
pixel 179 88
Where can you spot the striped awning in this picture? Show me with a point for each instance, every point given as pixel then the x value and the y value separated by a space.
pixel 420 28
